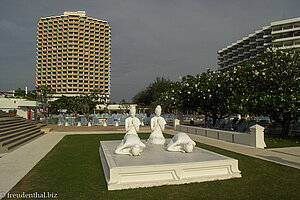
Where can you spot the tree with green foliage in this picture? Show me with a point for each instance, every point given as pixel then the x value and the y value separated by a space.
pixel 214 94
pixel 19 92
pixel 125 105
pixel 208 93
pixel 79 104
pixel 149 96
pixel 43 94
pixel 270 86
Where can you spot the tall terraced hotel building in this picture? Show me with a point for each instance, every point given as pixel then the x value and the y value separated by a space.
pixel 284 34
pixel 73 54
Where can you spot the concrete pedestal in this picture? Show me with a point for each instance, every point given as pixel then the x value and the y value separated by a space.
pixel 156 166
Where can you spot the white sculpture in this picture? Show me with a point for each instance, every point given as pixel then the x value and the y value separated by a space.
pixel 104 123
pixel 181 142
pixel 130 145
pixel 132 123
pixel 157 126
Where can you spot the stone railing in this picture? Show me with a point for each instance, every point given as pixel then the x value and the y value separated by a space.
pixel 255 138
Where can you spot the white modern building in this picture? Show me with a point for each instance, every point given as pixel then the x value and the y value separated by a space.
pixel 21 107
pixel 284 34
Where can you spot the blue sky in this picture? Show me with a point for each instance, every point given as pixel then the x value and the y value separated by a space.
pixel 150 38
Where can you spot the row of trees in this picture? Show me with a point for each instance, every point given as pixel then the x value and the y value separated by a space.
pixel 269 86
pixel 83 104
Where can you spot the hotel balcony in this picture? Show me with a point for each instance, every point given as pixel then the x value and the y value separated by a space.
pixel 259 39
pixel 285 30
pixel 286 39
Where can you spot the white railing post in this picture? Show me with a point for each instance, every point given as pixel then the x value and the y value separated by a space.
pixel 176 123
pixel 257 136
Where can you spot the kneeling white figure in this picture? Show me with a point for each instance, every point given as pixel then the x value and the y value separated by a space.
pixel 130 145
pixel 132 123
pixel 157 126
pixel 181 142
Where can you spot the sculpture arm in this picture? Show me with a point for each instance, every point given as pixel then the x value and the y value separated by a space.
pixel 175 147
pixel 120 149
pixel 161 122
pixel 155 123
pixel 126 124
pixel 136 124
pixel 152 124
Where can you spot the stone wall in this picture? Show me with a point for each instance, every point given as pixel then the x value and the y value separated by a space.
pixel 255 138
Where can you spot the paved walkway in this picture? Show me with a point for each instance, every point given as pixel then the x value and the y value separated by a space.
pixel 15 165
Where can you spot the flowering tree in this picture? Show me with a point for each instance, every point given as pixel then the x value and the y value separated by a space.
pixel 275 86
pixel 207 93
pixel 171 98
pixel 269 86
pixel 214 93
pixel 244 94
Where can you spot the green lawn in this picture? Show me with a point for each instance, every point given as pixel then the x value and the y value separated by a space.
pixel 73 170
pixel 275 141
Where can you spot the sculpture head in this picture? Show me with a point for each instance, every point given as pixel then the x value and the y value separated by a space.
pixel 132 111
pixel 188 147
pixel 135 150
pixel 158 110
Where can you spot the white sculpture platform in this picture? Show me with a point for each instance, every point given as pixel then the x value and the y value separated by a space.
pixel 156 166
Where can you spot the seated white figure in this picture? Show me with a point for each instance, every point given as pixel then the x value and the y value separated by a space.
pixel 157 126
pixel 181 142
pixel 130 145
pixel 132 123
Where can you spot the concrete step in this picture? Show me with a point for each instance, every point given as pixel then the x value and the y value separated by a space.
pixel 8 125
pixel 14 128
pixel 19 138
pixel 4 114
pixel 12 134
pixel 14 118
pixel 40 125
pixel 19 143
pixel 9 119
pixel 17 120
pixel 16 131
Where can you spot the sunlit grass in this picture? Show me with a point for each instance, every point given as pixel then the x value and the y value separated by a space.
pixel 273 141
pixel 73 170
